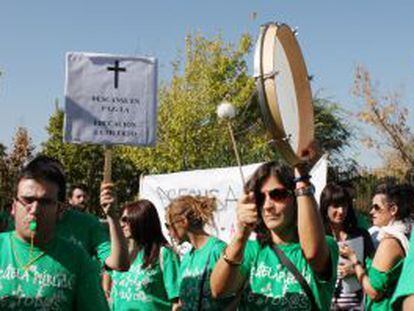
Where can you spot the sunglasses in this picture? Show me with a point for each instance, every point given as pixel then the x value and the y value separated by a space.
pixel 279 194
pixel 124 219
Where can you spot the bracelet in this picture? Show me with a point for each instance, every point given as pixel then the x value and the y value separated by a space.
pixel 230 261
pixel 302 178
pixel 305 191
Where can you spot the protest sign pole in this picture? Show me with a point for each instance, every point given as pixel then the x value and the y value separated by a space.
pixel 107 173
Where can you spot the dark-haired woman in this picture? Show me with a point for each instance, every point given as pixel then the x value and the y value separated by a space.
pixel 390 212
pixel 186 219
pixel 291 266
pixel 151 282
pixel 340 221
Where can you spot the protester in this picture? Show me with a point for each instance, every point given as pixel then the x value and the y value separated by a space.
pixel 186 218
pixel 78 197
pixel 404 294
pixel 152 280
pixel 390 212
pixel 40 270
pixel 340 221
pixel 283 213
pixel 85 229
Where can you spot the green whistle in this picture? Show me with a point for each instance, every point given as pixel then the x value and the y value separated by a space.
pixel 33 225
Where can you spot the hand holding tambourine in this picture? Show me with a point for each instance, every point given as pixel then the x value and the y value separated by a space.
pixel 284 93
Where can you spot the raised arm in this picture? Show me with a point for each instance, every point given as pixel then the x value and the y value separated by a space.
pixel 226 277
pixel 118 259
pixel 310 227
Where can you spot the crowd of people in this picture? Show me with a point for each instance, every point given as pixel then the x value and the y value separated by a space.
pixel 288 252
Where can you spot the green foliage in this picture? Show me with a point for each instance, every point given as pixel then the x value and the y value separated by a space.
pixel 189 133
pixel 84 164
pixel 12 162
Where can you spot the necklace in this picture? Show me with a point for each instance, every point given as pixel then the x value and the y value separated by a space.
pixel 31 260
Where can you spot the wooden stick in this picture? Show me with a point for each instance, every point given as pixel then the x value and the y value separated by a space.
pixel 107 174
pixel 236 152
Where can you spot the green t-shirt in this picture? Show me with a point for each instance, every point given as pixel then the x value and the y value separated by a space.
pixel 196 267
pixel 61 278
pixel 385 282
pixel 85 230
pixel 150 288
pixel 405 285
pixel 272 287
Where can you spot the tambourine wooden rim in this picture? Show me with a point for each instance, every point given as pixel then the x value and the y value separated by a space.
pixel 275 36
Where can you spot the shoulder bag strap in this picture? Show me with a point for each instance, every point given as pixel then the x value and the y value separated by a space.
pixel 299 277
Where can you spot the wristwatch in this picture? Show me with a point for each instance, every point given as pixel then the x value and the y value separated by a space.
pixel 307 191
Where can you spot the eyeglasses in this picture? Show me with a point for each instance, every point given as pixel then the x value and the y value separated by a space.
pixel 279 194
pixel 28 202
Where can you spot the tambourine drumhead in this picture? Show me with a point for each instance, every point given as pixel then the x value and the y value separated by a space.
pixel 284 91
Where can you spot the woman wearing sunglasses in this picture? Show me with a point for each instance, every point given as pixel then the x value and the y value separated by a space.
pixel 378 278
pixel 291 265
pixel 186 218
pixel 340 221
pixel 151 282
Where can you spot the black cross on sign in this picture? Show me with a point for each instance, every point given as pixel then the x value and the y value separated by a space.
pixel 116 69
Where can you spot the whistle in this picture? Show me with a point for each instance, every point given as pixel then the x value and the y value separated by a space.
pixel 32 225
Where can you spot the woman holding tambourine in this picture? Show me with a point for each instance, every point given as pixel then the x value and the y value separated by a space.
pixel 291 265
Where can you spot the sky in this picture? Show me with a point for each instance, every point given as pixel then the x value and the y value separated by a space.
pixel 334 36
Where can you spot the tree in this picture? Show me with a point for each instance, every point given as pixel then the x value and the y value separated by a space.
pixel 84 164
pixel 189 133
pixel 190 136
pixel 388 117
pixel 11 163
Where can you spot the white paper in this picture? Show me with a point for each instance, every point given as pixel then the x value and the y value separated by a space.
pixel 110 99
pixel 350 283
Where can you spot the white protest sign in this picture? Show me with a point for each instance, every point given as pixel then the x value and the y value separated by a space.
pixel 110 99
pixel 223 183
pixel 319 173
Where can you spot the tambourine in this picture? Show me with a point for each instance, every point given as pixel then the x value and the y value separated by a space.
pixel 283 87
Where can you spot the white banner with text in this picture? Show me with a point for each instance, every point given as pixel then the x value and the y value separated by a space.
pixel 223 183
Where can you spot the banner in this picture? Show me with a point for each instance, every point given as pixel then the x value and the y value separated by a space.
pixel 223 183
pixel 110 99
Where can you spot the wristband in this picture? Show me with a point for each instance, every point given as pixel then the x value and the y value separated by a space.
pixel 305 191
pixel 229 261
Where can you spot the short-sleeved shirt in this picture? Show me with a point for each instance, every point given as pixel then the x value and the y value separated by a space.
pixel 150 288
pixel 61 276
pixel 85 230
pixel 271 286
pixel 195 270
pixel 384 282
pixel 405 285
